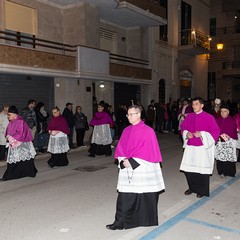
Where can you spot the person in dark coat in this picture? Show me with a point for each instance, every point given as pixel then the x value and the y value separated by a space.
pixel 81 125
pixel 159 117
pixel 68 115
pixel 150 115
pixel 42 134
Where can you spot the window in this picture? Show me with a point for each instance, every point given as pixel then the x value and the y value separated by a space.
pixel 163 33
pixel 186 23
pixel 213 25
pixel 20 18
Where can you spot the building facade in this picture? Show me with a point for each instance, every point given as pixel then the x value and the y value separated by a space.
pixel 59 51
pixel 224 63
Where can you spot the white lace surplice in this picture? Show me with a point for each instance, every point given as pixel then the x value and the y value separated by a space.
pixel 23 152
pixel 226 151
pixel 58 143
pixel 102 135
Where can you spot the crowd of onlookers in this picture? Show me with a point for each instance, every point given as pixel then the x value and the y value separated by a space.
pixel 168 117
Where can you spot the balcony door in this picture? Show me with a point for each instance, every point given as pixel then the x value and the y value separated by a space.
pixel 161 91
pixel 124 93
pixel 186 23
pixel 185 84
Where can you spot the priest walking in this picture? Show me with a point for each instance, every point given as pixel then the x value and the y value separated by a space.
pixel 200 133
pixel 140 178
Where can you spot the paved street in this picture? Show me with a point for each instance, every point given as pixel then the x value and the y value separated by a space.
pixel 77 201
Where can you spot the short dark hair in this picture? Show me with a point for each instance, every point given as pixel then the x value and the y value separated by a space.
pixel 135 107
pixel 198 99
pixel 31 101
pixel 39 105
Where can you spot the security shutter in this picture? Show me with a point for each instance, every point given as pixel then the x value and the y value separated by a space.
pixel 18 89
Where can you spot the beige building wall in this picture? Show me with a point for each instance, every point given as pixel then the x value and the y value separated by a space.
pixel 75 91
pixel 81 25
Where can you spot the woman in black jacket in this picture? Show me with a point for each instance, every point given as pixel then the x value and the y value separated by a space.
pixel 42 133
pixel 81 125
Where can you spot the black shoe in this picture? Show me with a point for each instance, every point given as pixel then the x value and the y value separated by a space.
pixel 91 155
pixel 199 196
pixel 114 227
pixel 188 192
pixel 50 164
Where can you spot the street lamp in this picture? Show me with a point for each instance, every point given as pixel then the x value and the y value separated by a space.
pixel 220 46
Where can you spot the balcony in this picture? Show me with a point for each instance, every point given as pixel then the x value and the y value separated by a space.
pixel 193 42
pixel 127 13
pixel 21 53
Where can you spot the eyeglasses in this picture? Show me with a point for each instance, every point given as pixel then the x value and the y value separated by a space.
pixel 131 114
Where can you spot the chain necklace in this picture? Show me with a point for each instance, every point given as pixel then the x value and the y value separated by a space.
pixel 129 177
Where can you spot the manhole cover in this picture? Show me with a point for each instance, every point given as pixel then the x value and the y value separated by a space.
pixel 89 169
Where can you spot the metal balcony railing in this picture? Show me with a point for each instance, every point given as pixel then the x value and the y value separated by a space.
pixel 195 38
pixel 128 59
pixel 30 41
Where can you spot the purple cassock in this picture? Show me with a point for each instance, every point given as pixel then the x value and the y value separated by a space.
pixel 19 130
pixel 200 122
pixel 58 123
pixel 139 141
pixel 101 118
pixel 228 126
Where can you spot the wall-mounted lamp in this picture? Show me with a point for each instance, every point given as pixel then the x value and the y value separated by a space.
pixel 102 85
pixel 220 46
pixel 57 85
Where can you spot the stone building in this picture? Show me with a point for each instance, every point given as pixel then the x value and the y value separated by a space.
pixel 59 51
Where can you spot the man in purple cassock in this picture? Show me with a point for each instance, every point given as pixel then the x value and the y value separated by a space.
pixel 200 133
pixel 226 154
pixel 140 178
pixel 21 152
